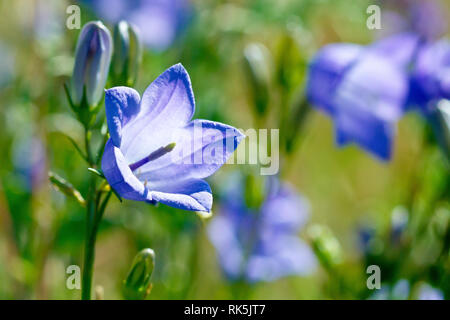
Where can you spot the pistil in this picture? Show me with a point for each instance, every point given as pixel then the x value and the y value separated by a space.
pixel 152 156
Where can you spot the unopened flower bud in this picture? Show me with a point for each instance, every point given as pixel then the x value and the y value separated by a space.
pixel 92 60
pixel 127 55
pixel 137 283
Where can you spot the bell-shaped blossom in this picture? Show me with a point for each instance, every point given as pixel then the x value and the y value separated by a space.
pixel 364 90
pixel 92 60
pixel 156 153
pixel 262 244
pixel 160 21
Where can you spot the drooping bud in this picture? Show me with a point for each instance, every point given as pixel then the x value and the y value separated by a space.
pixel 127 55
pixel 137 284
pixel 92 60
pixel 326 247
pixel 257 64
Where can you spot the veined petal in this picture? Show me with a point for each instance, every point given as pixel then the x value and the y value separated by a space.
pixel 119 175
pixel 167 103
pixel 122 105
pixel 170 97
pixel 327 70
pixel 202 147
pixel 192 194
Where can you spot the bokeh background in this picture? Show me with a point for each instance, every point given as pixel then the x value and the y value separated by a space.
pixel 350 192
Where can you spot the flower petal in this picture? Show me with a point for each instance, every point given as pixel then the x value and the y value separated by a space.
pixel 192 194
pixel 170 97
pixel 119 175
pixel 122 105
pixel 202 147
pixel 167 103
pixel 326 71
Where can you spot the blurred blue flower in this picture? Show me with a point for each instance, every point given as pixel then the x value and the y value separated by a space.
pixel 363 89
pixel 430 78
pixel 427 292
pixel 424 18
pixel 159 21
pixel 156 153
pixel 366 90
pixel 92 59
pixel 262 244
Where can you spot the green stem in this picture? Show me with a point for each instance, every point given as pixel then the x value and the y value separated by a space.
pixel 89 249
pixel 91 237
pixel 87 142
pixel 94 214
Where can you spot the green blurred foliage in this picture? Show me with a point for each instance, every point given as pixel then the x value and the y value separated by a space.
pixel 42 231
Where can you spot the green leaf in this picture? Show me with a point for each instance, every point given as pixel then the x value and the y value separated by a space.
pixel 97 172
pixel 69 98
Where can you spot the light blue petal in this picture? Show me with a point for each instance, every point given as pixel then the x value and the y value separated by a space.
pixel 202 147
pixel 193 195
pixel 122 105
pixel 119 175
pixel 167 103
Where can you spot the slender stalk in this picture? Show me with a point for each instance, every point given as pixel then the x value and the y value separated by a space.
pixel 89 249
pixel 87 142
pixel 94 214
